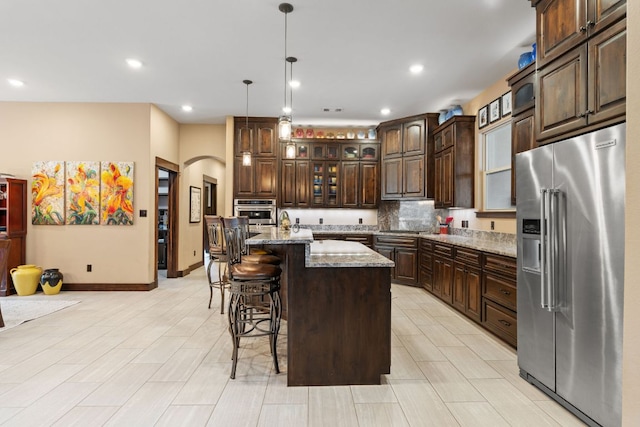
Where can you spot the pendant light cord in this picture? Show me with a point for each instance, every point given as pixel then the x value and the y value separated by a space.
pixel 285 59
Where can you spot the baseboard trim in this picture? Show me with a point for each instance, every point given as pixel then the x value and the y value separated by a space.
pixel 189 269
pixel 109 286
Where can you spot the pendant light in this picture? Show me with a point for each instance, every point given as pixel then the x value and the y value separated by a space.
pixel 284 122
pixel 246 155
pixel 290 149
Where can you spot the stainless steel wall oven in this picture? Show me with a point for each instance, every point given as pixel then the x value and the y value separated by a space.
pixel 259 211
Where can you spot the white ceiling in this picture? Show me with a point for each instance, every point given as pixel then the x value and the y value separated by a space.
pixel 352 54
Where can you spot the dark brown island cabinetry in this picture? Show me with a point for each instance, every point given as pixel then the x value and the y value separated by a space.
pixel 523 102
pixel 407 157
pixel 454 162
pixel 404 252
pixel 259 138
pixel 581 66
pixel 467 290
pixel 499 297
pixel 13 222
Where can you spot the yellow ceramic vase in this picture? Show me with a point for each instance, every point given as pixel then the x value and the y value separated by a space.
pixel 26 279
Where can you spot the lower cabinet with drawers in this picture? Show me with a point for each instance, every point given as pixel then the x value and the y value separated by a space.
pixel 481 285
pixel 499 297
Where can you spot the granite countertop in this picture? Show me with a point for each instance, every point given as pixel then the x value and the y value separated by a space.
pixel 338 253
pixel 496 246
pixel 276 236
pixel 327 253
pixel 304 235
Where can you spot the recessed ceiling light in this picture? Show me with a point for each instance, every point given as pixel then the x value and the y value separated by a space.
pixel 385 111
pixel 15 82
pixel 187 108
pixel 416 68
pixel 294 84
pixel 134 63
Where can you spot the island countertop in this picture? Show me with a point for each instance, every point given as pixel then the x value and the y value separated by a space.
pixel 324 253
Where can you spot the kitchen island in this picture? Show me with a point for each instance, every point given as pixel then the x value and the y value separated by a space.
pixel 337 303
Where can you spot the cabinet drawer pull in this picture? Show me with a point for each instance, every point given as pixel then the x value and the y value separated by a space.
pixel 505 292
pixel 504 322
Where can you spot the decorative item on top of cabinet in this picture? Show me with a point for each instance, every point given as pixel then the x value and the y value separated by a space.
pixel 404 252
pixel 13 225
pixel 407 157
pixel 454 162
pixel 523 87
pixel 581 67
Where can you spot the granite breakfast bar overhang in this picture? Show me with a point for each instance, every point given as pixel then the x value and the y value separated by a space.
pixel 337 303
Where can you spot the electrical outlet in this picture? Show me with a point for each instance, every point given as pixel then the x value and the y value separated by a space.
pixel 320 220
pixel 194 253
pixel 297 220
pixel 493 225
pixel 359 220
pixel 88 268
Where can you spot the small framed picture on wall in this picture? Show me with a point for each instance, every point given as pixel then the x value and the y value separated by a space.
pixel 483 117
pixel 506 104
pixel 494 110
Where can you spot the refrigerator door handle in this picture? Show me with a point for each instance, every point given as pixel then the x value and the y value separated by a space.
pixel 544 247
pixel 558 247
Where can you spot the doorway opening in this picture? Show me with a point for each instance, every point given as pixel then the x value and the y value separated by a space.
pixel 166 218
pixel 210 207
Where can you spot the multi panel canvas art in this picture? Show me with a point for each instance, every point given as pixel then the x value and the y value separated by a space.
pixel 117 193
pixel 47 192
pixel 82 193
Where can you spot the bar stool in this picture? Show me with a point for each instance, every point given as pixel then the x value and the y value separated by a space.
pixel 217 254
pixel 254 302
pixel 254 255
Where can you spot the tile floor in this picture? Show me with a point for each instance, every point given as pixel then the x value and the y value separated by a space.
pixel 161 358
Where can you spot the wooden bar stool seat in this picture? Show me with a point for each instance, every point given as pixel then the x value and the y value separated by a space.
pixel 254 294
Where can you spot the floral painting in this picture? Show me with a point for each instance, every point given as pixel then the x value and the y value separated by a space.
pixel 83 192
pixel 116 198
pixel 47 193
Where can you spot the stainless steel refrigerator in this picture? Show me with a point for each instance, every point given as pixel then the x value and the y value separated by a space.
pixel 570 225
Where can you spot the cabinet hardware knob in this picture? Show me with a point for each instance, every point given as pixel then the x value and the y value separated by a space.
pixel 583 29
pixel 504 322
pixel 505 292
pixel 591 24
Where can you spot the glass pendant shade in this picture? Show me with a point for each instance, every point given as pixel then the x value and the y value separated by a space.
pixel 284 128
pixel 246 158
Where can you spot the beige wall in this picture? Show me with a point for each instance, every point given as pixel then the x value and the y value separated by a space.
pixel 72 131
pixel 631 351
pixel 202 152
pixel 123 132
